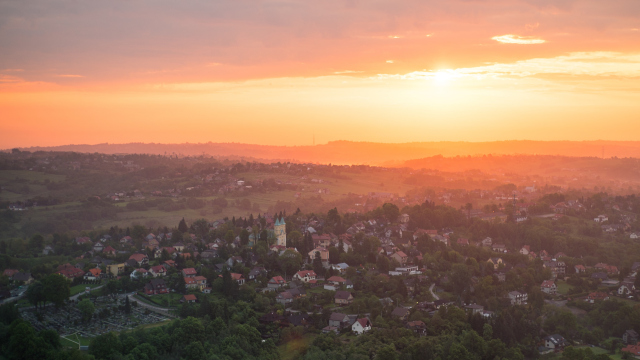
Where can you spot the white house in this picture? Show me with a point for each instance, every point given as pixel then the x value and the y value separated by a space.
pixel 601 218
pixel 361 326
pixel 139 273
pixel 305 276
pixel 549 287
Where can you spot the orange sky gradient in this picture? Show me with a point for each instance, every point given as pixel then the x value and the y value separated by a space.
pixel 280 72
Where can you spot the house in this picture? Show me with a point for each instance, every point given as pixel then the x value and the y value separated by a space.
pixel 92 274
pixel 189 272
pixel 336 280
pixel 284 298
pixel 169 264
pixel 157 271
pixel 580 269
pixel 630 337
pixel 518 298
pixel 338 320
pixel 115 269
pixel 324 254
pixel 501 248
pixel 138 273
pixel 495 262
pixel 9 272
pixel 341 267
pixel 305 276
pixel 486 242
pixel 155 286
pixel 417 327
pixel 555 342
pixel 343 298
pixel 404 218
pixel 190 283
pixel 400 257
pixel 276 282
pixel 141 259
pixel 178 246
pixel 257 271
pixel 634 235
pixel 361 325
pixel 47 250
pixel 556 267
pixel 549 287
pixel 109 250
pixel 189 299
pixel 234 260
pixel 596 296
pixel 201 282
pixel 634 350
pixel 462 242
pixel 70 273
pixel 602 276
pixel 25 277
pixel 239 278
pixel 626 288
pixel 329 329
pixel 525 250
pixel 400 313
pixel 474 309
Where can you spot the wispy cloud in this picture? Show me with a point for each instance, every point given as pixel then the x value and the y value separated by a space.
pixel 591 65
pixel 516 39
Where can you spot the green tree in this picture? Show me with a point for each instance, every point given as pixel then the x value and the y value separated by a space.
pixel 290 261
pixel 86 308
pixel 229 237
pixel 194 351
pixel 36 293
pixel 387 352
pixel 317 263
pixel 56 288
pixel 144 351
pixel 182 226
pixel 391 211
pixel 127 305
pixel 104 346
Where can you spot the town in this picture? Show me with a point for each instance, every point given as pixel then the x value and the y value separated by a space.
pixel 546 272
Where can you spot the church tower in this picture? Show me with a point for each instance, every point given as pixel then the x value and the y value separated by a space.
pixel 280 230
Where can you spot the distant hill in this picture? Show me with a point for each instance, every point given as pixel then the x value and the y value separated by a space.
pixel 349 152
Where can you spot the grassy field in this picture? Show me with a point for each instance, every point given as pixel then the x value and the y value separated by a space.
pixel 563 287
pixel 73 340
pixel 292 349
pixel 13 180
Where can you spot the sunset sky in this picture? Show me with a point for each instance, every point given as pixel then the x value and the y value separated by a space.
pixel 280 72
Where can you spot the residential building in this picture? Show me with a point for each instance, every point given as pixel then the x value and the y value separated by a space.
pixel 400 313
pixel 400 257
pixel 338 320
pixel 549 287
pixel 343 298
pixel 276 282
pixel 555 342
pixel 305 276
pixel 190 298
pixel 630 337
pixel 155 286
pixel 517 298
pixel 361 326
pixel 189 272
pixel 157 271
pixel 93 274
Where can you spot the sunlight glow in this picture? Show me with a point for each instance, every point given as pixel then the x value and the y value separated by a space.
pixel 516 39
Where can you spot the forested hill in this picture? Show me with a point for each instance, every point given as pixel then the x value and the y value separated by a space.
pixel 348 152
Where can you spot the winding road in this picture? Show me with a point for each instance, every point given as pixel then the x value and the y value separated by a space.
pixel 432 293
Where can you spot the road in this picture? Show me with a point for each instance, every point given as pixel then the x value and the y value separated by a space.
pixel 75 297
pixel 432 293
pixel 162 310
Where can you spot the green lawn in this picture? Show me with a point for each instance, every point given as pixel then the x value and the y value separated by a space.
pixel 14 180
pixel 563 287
pixel 72 341
pixel 80 288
